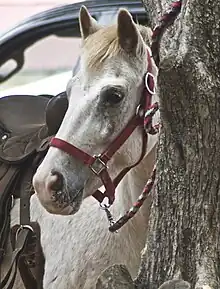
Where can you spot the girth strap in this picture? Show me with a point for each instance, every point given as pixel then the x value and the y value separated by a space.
pixel 21 239
pixel 7 180
pixel 25 238
pixel 31 260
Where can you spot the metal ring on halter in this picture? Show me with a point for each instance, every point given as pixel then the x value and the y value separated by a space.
pixel 22 227
pixel 139 111
pixel 105 204
pixel 110 218
pixel 146 83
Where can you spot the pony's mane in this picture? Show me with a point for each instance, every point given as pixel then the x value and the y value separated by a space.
pixel 104 44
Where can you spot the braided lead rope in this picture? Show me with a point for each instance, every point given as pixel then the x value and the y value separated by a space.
pixel 148 118
pixel 164 22
pixel 135 208
pixel 114 226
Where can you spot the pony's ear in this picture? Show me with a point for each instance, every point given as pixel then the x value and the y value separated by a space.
pixel 128 34
pixel 88 25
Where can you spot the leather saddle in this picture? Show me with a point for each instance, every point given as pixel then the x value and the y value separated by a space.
pixel 25 121
pixel 26 125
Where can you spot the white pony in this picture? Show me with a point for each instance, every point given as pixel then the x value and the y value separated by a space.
pixel 103 96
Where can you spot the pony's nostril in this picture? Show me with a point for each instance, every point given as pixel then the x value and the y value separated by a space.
pixel 56 183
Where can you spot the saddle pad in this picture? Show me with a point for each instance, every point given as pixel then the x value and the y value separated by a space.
pixel 22 126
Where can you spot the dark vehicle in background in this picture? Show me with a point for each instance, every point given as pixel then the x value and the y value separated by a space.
pixel 55 33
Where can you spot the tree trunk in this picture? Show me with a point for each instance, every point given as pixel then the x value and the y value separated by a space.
pixel 183 240
pixel 185 220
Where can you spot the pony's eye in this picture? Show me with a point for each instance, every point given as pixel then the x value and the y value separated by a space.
pixel 112 94
pixel 116 97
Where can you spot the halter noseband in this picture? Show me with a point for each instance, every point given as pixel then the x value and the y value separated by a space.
pixel 98 164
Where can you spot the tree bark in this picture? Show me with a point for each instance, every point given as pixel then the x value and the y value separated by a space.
pixel 184 240
pixel 185 220
pixel 115 277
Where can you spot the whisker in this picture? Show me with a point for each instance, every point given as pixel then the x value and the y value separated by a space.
pixel 77 194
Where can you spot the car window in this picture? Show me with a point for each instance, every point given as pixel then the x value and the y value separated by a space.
pixel 49 56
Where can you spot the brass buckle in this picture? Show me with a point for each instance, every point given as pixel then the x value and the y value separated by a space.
pixel 95 166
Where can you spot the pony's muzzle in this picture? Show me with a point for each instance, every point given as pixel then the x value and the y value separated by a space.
pixel 49 190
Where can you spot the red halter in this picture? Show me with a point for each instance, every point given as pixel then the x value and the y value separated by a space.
pixel 98 164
